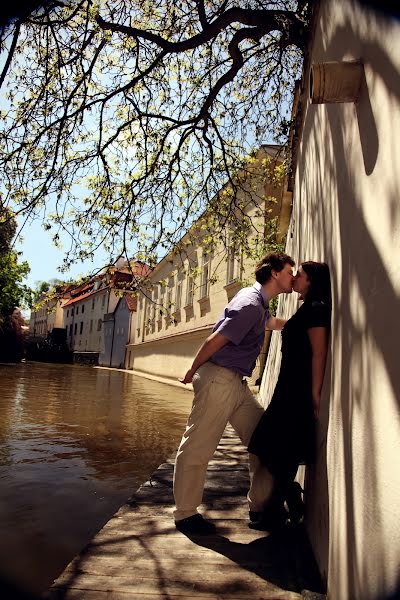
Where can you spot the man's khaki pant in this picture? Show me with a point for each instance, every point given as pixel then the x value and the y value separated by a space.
pixel 220 396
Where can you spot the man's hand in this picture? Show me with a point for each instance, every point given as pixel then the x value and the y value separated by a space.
pixel 188 377
pixel 213 343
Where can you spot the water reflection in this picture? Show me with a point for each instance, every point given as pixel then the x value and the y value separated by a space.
pixel 75 442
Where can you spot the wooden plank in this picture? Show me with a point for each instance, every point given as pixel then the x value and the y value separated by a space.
pixel 214 584
pixel 59 593
pixel 140 554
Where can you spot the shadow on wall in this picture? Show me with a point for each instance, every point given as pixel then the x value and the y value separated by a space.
pixel 364 297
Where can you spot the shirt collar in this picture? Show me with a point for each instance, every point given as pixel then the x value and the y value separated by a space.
pixel 261 291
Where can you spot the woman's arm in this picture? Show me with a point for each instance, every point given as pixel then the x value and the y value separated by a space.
pixel 319 346
pixel 214 342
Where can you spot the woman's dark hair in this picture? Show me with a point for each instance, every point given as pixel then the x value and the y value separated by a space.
pixel 275 261
pixel 320 281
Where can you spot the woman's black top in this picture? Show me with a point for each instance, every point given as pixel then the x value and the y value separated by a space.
pixel 284 437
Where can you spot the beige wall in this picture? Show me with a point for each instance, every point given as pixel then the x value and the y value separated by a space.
pixel 347 212
pixel 170 357
pixel 44 320
pixel 38 322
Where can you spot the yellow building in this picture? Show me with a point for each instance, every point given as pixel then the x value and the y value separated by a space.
pixel 189 288
pixel 48 316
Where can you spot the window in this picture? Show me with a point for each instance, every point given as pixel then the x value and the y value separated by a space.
pixel 178 294
pixel 83 308
pixel 103 301
pixel 138 309
pixel 77 309
pixel 169 293
pixel 99 325
pixel 72 312
pixel 233 269
pixel 190 291
pixel 205 276
pixel 148 310
pixel 91 326
pixel 93 304
pixel 81 328
pixel 154 295
pixel 161 301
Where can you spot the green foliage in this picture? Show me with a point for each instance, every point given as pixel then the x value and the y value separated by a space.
pixel 123 119
pixel 8 227
pixel 46 290
pixel 13 292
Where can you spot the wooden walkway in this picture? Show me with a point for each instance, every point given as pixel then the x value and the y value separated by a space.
pixel 139 555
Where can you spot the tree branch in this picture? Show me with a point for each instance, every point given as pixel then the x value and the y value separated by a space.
pixel 269 20
pixel 10 52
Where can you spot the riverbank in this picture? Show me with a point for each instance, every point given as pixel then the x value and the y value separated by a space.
pixel 75 443
pixel 166 380
pixel 140 554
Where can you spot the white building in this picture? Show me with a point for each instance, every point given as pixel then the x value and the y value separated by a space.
pixel 84 312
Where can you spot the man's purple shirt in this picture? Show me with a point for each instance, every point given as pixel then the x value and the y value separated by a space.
pixel 243 323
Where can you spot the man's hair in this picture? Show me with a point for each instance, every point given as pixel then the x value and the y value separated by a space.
pixel 275 261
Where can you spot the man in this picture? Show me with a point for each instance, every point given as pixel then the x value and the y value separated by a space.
pixel 221 394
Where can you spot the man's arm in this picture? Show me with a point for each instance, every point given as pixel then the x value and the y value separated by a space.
pixel 319 346
pixel 213 343
pixel 275 323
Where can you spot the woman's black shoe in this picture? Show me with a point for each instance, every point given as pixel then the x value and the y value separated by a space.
pixel 295 503
pixel 255 515
pixel 269 520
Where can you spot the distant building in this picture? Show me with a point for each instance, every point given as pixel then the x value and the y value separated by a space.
pixel 118 326
pixel 49 315
pixel 84 312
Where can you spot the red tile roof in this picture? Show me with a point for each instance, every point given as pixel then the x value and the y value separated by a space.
pixel 131 301
pixel 113 278
pixel 81 297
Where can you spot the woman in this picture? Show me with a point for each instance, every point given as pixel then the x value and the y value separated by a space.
pixel 284 437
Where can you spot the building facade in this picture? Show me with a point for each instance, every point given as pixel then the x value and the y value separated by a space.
pixel 117 331
pixel 83 317
pixel 85 311
pixel 50 315
pixel 82 309
pixel 188 290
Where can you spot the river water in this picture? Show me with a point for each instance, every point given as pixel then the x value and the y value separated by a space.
pixel 75 443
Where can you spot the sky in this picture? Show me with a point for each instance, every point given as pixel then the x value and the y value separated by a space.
pixel 44 258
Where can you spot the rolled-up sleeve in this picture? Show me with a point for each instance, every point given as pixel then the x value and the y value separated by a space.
pixel 238 322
